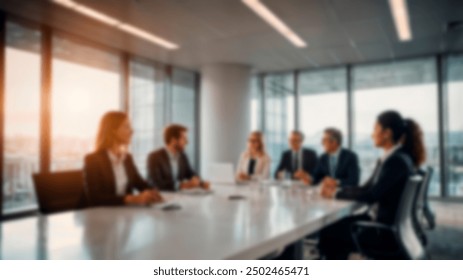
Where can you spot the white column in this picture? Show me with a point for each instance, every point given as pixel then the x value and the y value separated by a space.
pixel 225 113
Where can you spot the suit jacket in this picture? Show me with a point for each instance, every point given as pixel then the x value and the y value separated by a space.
pixel 385 186
pixel 160 171
pixel 100 180
pixel 261 170
pixel 309 162
pixel 347 169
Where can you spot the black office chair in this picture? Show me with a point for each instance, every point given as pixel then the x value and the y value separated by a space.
pixel 423 217
pixel 60 191
pixel 404 242
pixel 424 213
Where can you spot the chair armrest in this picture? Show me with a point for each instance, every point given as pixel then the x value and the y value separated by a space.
pixel 373 225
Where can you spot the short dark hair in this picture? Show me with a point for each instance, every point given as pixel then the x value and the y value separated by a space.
pixel 299 133
pixel 173 131
pixel 335 133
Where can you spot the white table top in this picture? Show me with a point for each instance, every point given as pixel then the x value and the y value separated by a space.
pixel 206 227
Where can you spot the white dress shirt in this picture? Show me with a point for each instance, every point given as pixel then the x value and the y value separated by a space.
pixel 173 160
pixel 261 169
pixel 120 175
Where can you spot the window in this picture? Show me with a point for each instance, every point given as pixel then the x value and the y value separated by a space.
pixel 86 84
pixel 322 104
pixel 146 111
pixel 256 103
pixel 22 115
pixel 184 107
pixel 279 114
pixel 408 87
pixel 454 137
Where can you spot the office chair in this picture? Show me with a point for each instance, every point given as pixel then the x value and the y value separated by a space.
pixel 405 242
pixel 60 191
pixel 425 215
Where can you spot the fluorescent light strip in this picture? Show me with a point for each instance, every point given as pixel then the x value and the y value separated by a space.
pixel 135 31
pixel 401 20
pixel 267 15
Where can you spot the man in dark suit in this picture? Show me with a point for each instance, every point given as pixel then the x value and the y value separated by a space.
pixel 337 166
pixel 297 163
pixel 169 168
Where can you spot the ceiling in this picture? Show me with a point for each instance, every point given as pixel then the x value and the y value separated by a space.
pixel 225 31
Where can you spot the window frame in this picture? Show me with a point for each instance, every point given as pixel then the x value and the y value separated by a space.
pixel 440 68
pixel 46 116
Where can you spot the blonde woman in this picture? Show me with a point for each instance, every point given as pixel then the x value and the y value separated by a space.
pixel 254 163
pixel 111 176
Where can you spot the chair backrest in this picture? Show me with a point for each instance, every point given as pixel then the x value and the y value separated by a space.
pixel 60 191
pixel 423 194
pixel 407 234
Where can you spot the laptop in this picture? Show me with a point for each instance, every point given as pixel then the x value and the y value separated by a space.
pixel 221 173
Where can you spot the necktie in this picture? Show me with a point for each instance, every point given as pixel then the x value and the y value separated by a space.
pixel 332 166
pixel 295 167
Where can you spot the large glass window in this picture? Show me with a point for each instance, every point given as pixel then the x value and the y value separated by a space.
pixel 146 110
pixel 256 104
pixel 279 114
pixel 22 115
pixel 86 84
pixel 408 87
pixel 184 106
pixel 322 104
pixel 454 145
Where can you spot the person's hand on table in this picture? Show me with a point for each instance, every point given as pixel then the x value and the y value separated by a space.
pixel 157 197
pixel 303 176
pixel 330 182
pixel 328 191
pixel 195 181
pixel 144 198
pixel 206 185
pixel 243 177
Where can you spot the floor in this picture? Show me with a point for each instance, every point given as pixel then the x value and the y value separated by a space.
pixel 445 242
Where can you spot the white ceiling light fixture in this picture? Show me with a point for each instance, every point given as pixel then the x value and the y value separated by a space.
pixel 267 15
pixel 125 27
pixel 399 12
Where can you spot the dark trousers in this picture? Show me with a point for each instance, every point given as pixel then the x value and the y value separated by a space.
pixel 336 240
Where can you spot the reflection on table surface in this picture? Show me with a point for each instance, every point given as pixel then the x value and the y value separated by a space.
pixel 267 216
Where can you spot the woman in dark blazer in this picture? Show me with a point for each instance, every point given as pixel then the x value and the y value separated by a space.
pixel 403 152
pixel 110 173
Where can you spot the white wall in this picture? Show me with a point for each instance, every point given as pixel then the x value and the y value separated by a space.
pixel 225 113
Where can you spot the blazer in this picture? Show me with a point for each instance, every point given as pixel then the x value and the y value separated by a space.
pixel 384 187
pixel 347 169
pixel 309 162
pixel 100 183
pixel 160 171
pixel 261 170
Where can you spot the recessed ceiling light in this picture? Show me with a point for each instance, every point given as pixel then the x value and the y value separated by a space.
pixel 267 15
pixel 401 19
pixel 125 27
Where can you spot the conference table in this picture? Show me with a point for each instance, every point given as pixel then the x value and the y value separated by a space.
pixel 230 222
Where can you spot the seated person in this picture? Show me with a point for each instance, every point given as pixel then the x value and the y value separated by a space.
pixel 383 190
pixel 168 167
pixel 254 163
pixel 111 176
pixel 297 163
pixel 337 167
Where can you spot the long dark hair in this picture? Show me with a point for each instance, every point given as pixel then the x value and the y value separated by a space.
pixel 406 132
pixel 413 143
